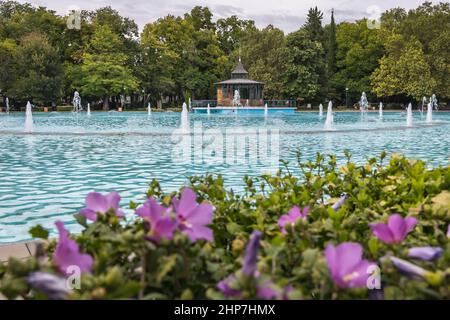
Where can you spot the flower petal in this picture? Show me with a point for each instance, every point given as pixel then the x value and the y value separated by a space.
pixel 201 215
pixel 382 232
pixel 425 253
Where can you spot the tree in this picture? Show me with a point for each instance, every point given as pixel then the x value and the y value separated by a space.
pixel 315 32
pixel 303 66
pixel 103 72
pixel 358 52
pixel 403 70
pixel 38 71
pixel 231 30
pixel 331 47
pixel 313 25
pixel 264 54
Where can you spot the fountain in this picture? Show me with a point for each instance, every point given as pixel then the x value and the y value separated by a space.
pixel 429 113
pixel 76 102
pixel 88 113
pixel 424 103
pixel 236 98
pixel 409 119
pixel 208 109
pixel 434 102
pixel 320 110
pixel 266 111
pixel 149 109
pixel 7 105
pixel 364 105
pixel 190 103
pixel 28 119
pixel 380 110
pixel 184 118
pixel 329 120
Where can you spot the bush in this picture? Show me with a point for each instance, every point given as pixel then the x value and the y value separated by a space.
pixel 333 244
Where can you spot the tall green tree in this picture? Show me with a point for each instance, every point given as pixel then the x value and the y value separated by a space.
pixel 103 72
pixel 264 54
pixel 358 52
pixel 313 25
pixel 38 71
pixel 403 70
pixel 303 67
pixel 331 47
pixel 231 30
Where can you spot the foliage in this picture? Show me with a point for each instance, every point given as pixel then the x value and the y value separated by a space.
pixel 304 65
pixel 358 52
pixel 183 55
pixel 403 70
pixel 103 72
pixel 264 54
pixel 291 263
pixel 37 71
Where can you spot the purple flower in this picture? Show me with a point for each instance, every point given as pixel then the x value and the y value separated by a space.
pixel 162 225
pixel 67 253
pixel 96 203
pixel 225 287
pixel 251 254
pixel 266 291
pixel 408 269
pixel 192 217
pixel 292 217
pixel 448 231
pixel 54 287
pixel 425 253
pixel 287 291
pixel 347 268
pixel 340 202
pixel 395 230
pixel 263 291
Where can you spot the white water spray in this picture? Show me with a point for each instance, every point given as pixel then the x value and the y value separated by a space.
pixel 330 119
pixel 28 119
pixel 149 109
pixel 184 118
pixel 266 111
pixel 429 113
pixel 208 109
pixel 380 110
pixel 320 110
pixel 88 112
pixel 409 119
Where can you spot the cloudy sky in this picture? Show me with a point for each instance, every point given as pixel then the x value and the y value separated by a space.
pixel 288 15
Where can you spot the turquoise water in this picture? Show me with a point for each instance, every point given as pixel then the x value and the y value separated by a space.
pixel 46 175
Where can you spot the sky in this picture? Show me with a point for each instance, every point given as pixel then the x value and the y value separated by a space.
pixel 287 15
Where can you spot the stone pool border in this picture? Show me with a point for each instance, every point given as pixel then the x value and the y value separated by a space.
pixel 21 250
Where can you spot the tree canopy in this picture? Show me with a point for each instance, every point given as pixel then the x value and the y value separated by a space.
pixel 176 57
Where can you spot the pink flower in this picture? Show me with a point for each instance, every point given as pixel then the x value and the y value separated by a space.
pixel 346 265
pixel 67 253
pixel 294 215
pixel 162 225
pixel 96 203
pixel 395 230
pixel 192 217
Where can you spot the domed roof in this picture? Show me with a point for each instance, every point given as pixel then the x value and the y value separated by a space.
pixel 239 69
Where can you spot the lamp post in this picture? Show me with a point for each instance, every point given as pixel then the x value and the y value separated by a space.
pixel 346 97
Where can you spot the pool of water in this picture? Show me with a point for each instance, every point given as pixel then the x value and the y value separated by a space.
pixel 46 175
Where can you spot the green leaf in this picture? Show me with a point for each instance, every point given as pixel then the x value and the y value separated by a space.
pixel 81 219
pixel 39 232
pixel 167 264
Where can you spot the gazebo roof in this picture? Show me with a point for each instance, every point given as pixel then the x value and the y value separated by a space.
pixel 239 69
pixel 239 81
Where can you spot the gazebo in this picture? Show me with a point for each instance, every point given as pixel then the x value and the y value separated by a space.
pixel 250 91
